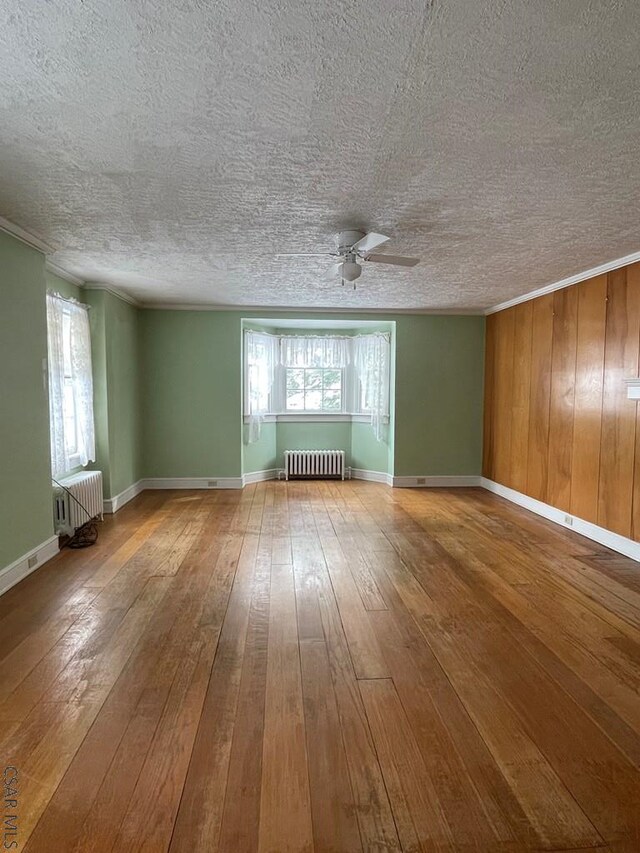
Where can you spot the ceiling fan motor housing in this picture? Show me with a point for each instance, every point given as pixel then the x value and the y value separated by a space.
pixel 346 239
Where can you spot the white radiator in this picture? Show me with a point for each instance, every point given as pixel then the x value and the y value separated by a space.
pixel 314 463
pixel 86 488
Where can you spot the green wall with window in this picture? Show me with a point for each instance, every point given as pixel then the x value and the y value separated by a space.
pixel 357 440
pixel 192 399
pixel 26 518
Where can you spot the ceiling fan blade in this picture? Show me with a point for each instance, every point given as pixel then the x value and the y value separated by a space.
pixel 306 255
pixel 369 242
pixel 395 260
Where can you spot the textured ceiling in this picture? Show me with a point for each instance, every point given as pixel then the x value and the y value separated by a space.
pixel 172 149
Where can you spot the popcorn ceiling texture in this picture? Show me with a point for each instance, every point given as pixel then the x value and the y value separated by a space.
pixel 171 149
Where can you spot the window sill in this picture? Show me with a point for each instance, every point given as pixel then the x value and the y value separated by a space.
pixel 316 418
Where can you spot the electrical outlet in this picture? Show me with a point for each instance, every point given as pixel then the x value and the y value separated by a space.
pixel 32 561
pixel 568 519
pixel 420 481
pixel 212 484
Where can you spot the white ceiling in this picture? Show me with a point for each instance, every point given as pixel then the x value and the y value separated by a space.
pixel 171 149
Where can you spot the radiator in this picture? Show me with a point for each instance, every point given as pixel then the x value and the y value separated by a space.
pixel 86 487
pixel 314 463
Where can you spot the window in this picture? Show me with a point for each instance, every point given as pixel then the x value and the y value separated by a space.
pixel 299 376
pixel 313 389
pixel 70 385
pixel 260 360
pixel 68 398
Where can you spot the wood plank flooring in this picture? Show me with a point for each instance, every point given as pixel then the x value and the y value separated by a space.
pixel 321 666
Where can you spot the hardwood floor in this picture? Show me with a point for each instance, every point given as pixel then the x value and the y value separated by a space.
pixel 319 666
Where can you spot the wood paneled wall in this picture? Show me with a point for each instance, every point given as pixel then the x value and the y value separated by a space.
pixel 557 422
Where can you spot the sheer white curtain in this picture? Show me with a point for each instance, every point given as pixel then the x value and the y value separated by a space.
pixel 70 385
pixel 314 351
pixel 371 356
pixel 261 357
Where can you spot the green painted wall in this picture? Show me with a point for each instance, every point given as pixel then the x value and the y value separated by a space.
pixel 191 393
pixel 366 451
pixel 26 518
pixel 438 406
pixel 116 390
pixel 123 383
pixel 96 299
pixel 310 436
pixel 261 455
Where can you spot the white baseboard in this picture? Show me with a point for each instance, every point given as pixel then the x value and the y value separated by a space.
pixel 260 476
pixel 111 505
pixel 372 476
pixel 618 543
pixel 20 568
pixel 430 482
pixel 192 483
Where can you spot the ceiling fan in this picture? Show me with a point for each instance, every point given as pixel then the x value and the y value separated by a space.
pixel 353 249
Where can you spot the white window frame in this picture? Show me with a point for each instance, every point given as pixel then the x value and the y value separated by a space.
pixel 278 413
pixel 70 382
pixel 245 379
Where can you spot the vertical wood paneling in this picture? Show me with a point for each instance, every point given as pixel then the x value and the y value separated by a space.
pixel 541 354
pixel 489 379
pixel 521 393
pixel 585 464
pixel 556 400
pixel 617 444
pixel 563 380
pixel 503 390
pixel 633 281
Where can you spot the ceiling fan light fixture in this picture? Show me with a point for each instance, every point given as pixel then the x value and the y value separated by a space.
pixel 350 270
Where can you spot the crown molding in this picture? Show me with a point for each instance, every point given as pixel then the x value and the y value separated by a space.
pixel 566 282
pixel 279 309
pixel 26 236
pixel 114 291
pixel 63 273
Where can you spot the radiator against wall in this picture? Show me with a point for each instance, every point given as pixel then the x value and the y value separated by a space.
pixel 314 463
pixel 86 487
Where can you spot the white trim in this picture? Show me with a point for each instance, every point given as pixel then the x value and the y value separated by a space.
pixel 313 418
pixel 25 237
pixel 266 419
pixel 372 476
pixel 111 505
pixel 618 543
pixel 566 282
pixel 20 568
pixel 114 291
pixel 260 476
pixel 360 314
pixel 51 267
pixel 191 483
pixel 316 418
pixel 438 481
